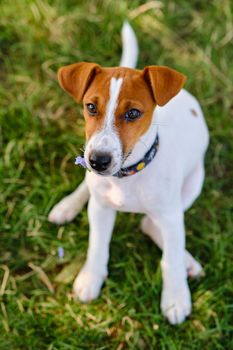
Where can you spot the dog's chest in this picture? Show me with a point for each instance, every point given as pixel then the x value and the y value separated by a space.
pixel 129 196
pixel 123 198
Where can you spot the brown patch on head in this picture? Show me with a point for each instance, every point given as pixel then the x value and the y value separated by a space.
pixel 140 90
pixel 87 82
pixel 98 94
pixel 134 94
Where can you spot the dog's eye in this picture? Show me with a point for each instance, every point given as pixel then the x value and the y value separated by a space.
pixel 91 107
pixel 132 114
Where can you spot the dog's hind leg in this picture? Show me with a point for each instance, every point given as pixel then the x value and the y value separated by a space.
pixel 70 206
pixel 193 185
pixel 193 267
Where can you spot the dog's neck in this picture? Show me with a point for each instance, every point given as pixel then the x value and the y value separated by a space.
pixel 144 143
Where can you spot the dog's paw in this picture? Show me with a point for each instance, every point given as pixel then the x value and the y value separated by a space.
pixel 87 285
pixel 64 211
pixel 176 305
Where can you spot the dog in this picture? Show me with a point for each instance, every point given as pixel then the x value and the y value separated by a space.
pixel 146 139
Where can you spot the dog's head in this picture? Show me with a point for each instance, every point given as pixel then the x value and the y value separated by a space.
pixel 118 107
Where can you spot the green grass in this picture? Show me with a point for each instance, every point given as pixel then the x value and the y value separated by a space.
pixel 41 133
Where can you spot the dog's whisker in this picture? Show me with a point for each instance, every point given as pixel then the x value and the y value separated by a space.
pixel 82 149
pixel 127 156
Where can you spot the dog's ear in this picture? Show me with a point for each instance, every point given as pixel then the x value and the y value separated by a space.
pixel 165 82
pixel 76 78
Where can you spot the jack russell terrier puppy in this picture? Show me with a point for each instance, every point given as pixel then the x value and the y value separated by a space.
pixel 145 144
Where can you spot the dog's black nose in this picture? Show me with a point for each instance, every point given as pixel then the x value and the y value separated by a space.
pixel 99 161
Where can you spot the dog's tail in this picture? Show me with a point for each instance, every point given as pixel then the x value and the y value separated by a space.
pixel 129 47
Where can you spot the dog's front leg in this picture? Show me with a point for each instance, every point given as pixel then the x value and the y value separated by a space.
pixel 176 300
pixel 90 279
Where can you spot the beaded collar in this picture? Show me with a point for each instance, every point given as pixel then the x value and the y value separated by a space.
pixel 135 168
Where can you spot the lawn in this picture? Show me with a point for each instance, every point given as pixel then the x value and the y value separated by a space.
pixel 41 132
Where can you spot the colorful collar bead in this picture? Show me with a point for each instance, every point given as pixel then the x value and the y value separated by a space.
pixel 135 168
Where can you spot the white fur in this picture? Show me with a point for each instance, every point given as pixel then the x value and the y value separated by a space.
pixel 115 86
pixel 107 139
pixel 162 191
pixel 130 47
